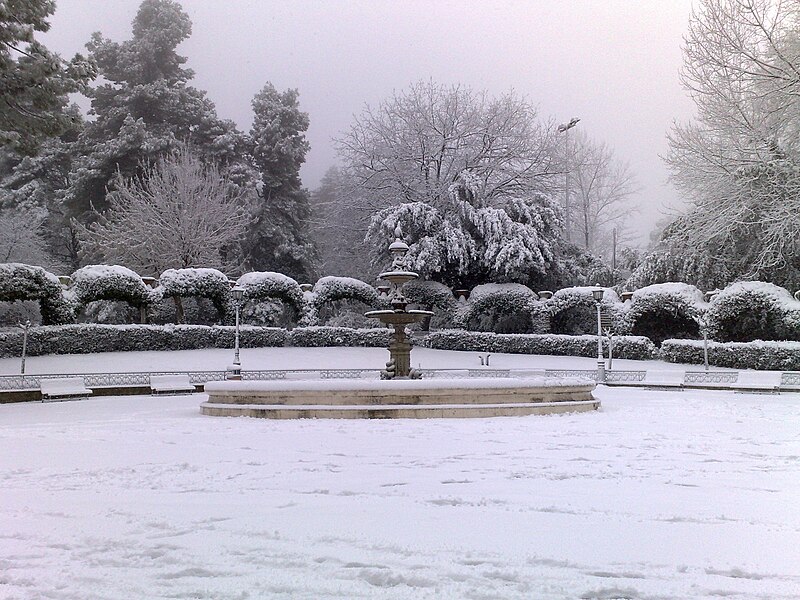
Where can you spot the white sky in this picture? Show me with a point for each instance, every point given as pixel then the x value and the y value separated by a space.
pixel 613 63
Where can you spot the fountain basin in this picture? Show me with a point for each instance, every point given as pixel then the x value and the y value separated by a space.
pixel 387 399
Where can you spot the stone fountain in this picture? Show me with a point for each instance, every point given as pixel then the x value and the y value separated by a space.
pixel 399 391
pixel 399 316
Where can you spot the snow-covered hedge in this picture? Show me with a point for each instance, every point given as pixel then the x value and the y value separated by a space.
pixel 90 337
pixel 434 296
pixel 573 311
pixel 631 347
pixel 339 336
pixel 266 285
pixel 772 356
pixel 753 310
pixel 503 308
pixel 109 282
pixel 330 289
pixel 26 282
pixel 197 283
pixel 667 310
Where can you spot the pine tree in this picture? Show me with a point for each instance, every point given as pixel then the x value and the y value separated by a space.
pixel 145 108
pixel 34 82
pixel 279 238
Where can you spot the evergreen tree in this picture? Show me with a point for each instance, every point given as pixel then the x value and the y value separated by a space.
pixel 34 82
pixel 145 108
pixel 338 228
pixel 279 237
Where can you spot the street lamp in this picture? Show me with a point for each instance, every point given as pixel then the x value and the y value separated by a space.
pixel 235 370
pixel 597 294
pixel 564 128
pixel 25 328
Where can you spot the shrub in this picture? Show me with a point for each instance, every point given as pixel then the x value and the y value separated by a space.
pixel 26 282
pixel 773 356
pixel 753 310
pixel 266 285
pixel 436 297
pixel 110 282
pixel 630 347
pixel 667 310
pixel 573 311
pixel 503 308
pixel 326 296
pixel 339 336
pixel 90 337
pixel 196 283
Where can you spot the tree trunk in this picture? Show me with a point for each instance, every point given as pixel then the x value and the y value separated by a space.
pixel 180 316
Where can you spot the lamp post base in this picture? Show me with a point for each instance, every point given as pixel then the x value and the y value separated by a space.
pixel 233 372
pixel 601 370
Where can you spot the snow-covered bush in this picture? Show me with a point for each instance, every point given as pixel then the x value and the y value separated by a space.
pixel 267 285
pixel 436 297
pixel 196 283
pixel 91 337
pixel 109 282
pixel 753 310
pixel 329 292
pixel 771 356
pixel 110 312
pixel 503 308
pixel 573 311
pixel 667 310
pixel 26 282
pixel 339 336
pixel 630 347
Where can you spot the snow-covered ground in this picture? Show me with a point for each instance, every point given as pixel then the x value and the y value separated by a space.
pixel 658 495
pixel 301 358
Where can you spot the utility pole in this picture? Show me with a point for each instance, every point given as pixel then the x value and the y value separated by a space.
pixel 564 128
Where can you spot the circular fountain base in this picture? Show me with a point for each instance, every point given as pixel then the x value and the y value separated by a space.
pixel 394 399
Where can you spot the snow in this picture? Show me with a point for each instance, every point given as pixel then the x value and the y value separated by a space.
pixel 680 495
pixel 90 272
pixel 689 294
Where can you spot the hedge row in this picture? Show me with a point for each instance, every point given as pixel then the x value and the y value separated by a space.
pixel 89 338
pixel 632 347
pixel 767 356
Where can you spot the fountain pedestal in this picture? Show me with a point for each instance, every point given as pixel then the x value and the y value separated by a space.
pixel 399 365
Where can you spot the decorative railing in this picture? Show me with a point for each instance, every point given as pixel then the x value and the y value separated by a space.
pixel 789 379
pixel 625 376
pixel 710 377
pixel 590 374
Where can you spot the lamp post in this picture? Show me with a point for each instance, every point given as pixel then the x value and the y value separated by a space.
pixel 597 294
pixel 235 370
pixel 564 128
pixel 25 328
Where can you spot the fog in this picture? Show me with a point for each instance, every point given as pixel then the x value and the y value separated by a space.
pixel 614 64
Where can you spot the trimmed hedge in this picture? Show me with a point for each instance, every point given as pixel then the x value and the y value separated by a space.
pixel 90 337
pixel 767 356
pixel 503 308
pixel 339 336
pixel 26 282
pixel 631 347
pixel 753 310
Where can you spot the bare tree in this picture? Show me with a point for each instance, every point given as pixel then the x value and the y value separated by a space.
pixel 22 238
pixel 603 188
pixel 415 145
pixel 178 213
pixel 739 161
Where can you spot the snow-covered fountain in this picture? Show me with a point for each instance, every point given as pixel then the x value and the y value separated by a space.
pixel 399 316
pixel 398 391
